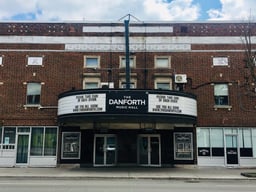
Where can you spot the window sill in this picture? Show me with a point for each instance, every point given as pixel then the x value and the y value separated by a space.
pixel 220 66
pixel 32 106
pixel 228 107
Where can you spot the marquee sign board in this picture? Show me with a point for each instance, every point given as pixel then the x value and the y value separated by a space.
pixel 171 104
pixel 82 103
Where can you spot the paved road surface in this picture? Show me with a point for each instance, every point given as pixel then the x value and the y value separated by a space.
pixel 131 185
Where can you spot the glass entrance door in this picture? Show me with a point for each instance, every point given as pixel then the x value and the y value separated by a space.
pixel 149 150
pixel 104 150
pixel 231 150
pixel 22 149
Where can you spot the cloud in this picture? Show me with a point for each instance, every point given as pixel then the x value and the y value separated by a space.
pixel 99 9
pixel 173 10
pixel 233 10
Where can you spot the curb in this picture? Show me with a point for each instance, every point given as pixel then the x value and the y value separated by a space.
pixel 189 179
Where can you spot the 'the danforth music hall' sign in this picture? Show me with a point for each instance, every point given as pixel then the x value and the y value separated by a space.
pixel 127 102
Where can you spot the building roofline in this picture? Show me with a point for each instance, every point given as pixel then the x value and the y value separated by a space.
pixel 132 21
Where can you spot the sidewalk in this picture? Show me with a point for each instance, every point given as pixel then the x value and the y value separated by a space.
pixel 181 173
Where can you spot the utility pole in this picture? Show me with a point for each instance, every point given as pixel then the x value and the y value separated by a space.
pixel 127 50
pixel 127 54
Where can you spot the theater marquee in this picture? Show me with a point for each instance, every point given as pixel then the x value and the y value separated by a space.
pixel 127 102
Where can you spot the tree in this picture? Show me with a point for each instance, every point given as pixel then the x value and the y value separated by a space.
pixel 250 58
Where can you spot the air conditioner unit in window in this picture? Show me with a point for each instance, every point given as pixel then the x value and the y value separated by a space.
pixel 107 85
pixel 180 78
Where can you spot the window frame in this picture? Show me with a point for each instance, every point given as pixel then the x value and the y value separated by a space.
pixel 5 144
pixel 220 61
pixel 162 57
pixel 86 63
pixel 91 80
pixel 42 135
pixel 27 95
pixel 35 61
pixel 122 62
pixel 133 83
pixel 218 97
pixel 1 134
pixel 163 80
pixel 79 145
pixel 181 147
pixel 1 60
pixel 56 142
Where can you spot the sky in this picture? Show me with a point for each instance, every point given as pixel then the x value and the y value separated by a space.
pixel 114 10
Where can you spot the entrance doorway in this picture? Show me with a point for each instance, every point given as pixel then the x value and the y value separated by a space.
pixel 22 149
pixel 149 150
pixel 231 150
pixel 104 150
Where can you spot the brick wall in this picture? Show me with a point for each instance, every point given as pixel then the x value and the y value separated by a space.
pixel 63 70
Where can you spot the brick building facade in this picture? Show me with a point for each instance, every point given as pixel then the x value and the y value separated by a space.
pixel 191 100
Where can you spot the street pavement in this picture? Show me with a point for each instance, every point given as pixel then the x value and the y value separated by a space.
pixel 178 173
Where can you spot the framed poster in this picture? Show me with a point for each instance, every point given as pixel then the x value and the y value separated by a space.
pixel 71 145
pixel 183 146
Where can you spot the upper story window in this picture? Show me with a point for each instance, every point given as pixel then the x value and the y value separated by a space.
pixel 163 83
pixel 35 61
pixel 123 62
pixel 162 62
pixel 220 61
pixel 91 83
pixel 1 60
pixel 132 85
pixel 221 94
pixel 33 93
pixel 91 61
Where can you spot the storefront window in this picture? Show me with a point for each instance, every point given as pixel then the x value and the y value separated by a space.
pixel 0 136
pixel 231 130
pixel 203 138
pixel 245 138
pixel 50 142
pixel 71 145
pixel 217 138
pixel 9 136
pixel 43 141
pixel 254 142
pixel 23 129
pixel 217 142
pixel 245 142
pixel 37 141
pixel 183 146
pixel 203 142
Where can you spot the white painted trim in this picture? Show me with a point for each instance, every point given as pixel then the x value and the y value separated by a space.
pixel 132 29
pixel 101 40
pixel 84 51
